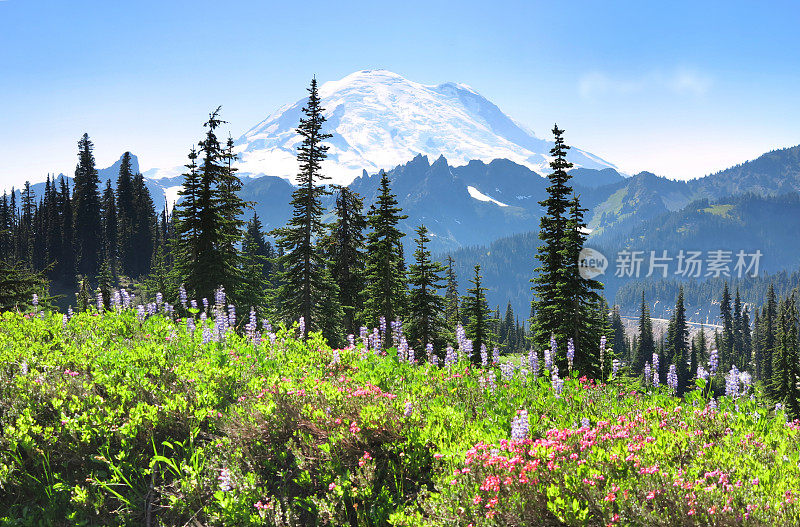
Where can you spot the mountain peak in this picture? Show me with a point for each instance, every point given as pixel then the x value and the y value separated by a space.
pixel 380 120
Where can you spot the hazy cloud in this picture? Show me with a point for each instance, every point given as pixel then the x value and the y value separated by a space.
pixel 678 82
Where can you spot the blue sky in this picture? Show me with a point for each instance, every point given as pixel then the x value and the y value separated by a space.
pixel 680 91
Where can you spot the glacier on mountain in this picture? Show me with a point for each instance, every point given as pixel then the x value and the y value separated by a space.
pixel 380 120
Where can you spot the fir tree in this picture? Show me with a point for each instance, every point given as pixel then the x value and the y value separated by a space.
pixel 785 366
pixel 88 228
pixel 345 250
pixel 18 285
pixel 209 226
pixel 677 351
pixel 738 356
pixel 619 343
pixel 126 220
pixel 646 344
pixel 385 290
pixel 478 315
pixel 256 253
pixel 769 324
pixel 425 304
pixel 307 289
pixel 110 224
pixel 726 351
pixel 563 301
pixel 451 297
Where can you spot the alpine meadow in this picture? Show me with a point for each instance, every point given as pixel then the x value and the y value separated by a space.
pixel 389 303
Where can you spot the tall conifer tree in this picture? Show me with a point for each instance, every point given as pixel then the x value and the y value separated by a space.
pixel 307 289
pixel 385 291
pixel 88 228
pixel 425 304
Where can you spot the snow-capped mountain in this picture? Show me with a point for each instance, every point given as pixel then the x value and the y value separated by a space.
pixel 380 120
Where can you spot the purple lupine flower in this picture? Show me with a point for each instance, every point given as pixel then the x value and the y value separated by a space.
pixel 336 357
pixel 672 378
pixel 266 327
pixel 351 341
pixel 533 362
pixel 408 409
pixel 732 383
pixel 363 334
pixel 701 372
pixel 484 356
pixel 232 315
pixel 558 384
pixel 507 369
pixel 35 300
pixel 376 341
pixel 647 372
pixel 467 351
pixel 69 311
pixel 553 347
pixel 206 335
pixel 655 364
pixel 490 381
pixel 193 304
pixel 64 320
pixel 301 326
pixel 402 348
pixel 272 338
pixel 382 324
pixel 449 357
pixel 614 367
pixel 205 304
pixel 151 309
pixel 140 312
pixel 219 296
pixel 461 336
pixel 23 368
pixel 159 298
pixel 429 351
pixel 99 301
pixel 520 426
pixel 523 374
pixel 190 327
pixel 434 360
pixel 183 296
pixel 548 359
pixel 410 354
pixel 571 352
pixel 116 300
pixel 712 404
pixel 585 423
pixel 713 362
pixel 602 349
pixel 495 355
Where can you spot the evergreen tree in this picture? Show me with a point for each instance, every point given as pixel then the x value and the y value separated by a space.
pixel 563 301
pixel 508 331
pixel 110 241
pixel 785 366
pixel 126 219
pixel 345 249
pixel 307 289
pixel 209 226
pixel 738 357
pixel 618 341
pixel 769 325
pixel 747 341
pixel 646 344
pixel 477 311
pixel 385 290
pixel 88 228
pixel 256 253
pixel 757 337
pixel 66 265
pixel 677 351
pixel 726 351
pixel 18 285
pixel 425 304
pixel 451 297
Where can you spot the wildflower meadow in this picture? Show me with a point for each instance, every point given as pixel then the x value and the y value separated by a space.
pixel 199 415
